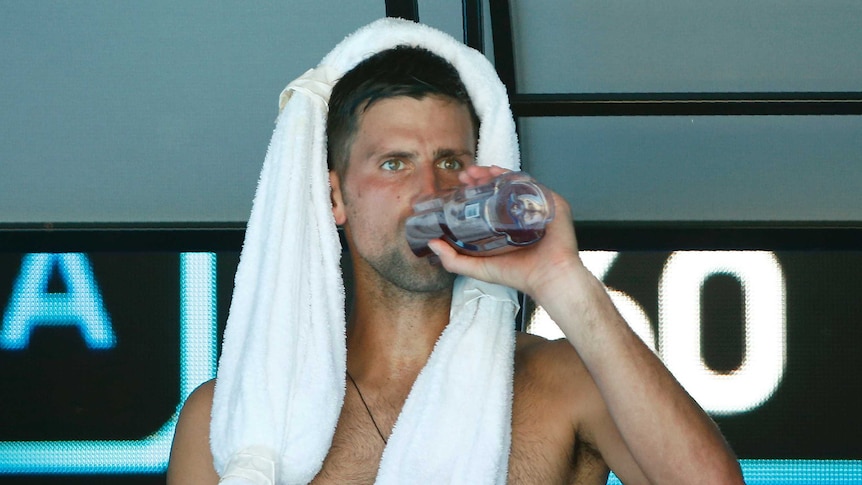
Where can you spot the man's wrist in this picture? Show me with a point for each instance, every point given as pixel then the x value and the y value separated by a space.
pixel 564 282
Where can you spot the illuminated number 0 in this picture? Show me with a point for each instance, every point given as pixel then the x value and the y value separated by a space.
pixel 763 361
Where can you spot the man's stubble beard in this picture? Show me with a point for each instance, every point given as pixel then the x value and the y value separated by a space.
pixel 404 271
pixel 410 274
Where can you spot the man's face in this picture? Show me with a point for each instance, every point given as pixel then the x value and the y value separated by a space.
pixel 403 149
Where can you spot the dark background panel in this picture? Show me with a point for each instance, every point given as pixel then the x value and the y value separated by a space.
pixel 59 389
pixel 812 414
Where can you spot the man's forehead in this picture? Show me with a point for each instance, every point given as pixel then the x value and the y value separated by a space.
pixel 392 133
pixel 372 102
pixel 408 109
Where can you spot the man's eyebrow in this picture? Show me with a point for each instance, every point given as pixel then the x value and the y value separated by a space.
pixel 451 152
pixel 397 154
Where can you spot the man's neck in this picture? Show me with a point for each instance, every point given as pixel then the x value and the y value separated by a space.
pixel 391 332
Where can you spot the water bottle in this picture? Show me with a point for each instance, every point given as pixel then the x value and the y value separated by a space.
pixel 508 213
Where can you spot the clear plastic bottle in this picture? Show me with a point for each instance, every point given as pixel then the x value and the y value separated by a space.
pixel 508 213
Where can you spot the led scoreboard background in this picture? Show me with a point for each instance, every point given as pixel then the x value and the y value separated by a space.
pixel 104 334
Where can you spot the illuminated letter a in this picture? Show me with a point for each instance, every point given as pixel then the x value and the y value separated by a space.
pixel 32 304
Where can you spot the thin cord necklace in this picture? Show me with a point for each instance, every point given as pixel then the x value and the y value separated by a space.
pixel 367 408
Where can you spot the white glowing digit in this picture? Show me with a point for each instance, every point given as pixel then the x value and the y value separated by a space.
pixel 634 314
pixel 763 362
pixel 599 262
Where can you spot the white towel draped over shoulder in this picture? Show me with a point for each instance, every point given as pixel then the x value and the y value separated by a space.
pixel 281 377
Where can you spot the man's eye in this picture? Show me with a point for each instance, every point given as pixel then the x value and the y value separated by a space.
pixel 450 164
pixel 392 164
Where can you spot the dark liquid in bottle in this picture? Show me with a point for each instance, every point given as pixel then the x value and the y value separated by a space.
pixel 506 214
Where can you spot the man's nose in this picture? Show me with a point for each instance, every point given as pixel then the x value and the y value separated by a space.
pixel 431 182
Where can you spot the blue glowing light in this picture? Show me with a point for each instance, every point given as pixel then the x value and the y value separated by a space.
pixel 32 304
pixel 794 472
pixel 197 364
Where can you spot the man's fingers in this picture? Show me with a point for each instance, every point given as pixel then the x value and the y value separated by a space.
pixel 442 250
pixel 449 258
pixel 478 175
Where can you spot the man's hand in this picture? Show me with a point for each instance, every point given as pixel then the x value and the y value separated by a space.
pixel 533 269
pixel 648 429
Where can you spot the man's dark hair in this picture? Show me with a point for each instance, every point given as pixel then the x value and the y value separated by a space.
pixel 400 71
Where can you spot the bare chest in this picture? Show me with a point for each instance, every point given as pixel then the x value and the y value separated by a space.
pixel 357 444
pixel 544 446
pixel 355 452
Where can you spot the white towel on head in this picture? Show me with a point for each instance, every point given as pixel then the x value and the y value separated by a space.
pixel 281 377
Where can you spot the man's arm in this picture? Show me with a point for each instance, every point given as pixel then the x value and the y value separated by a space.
pixel 663 430
pixel 191 459
pixel 655 429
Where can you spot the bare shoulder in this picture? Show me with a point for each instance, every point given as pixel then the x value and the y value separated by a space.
pixel 191 459
pixel 557 378
pixel 552 363
pixel 553 400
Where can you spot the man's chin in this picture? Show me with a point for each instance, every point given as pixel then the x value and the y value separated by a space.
pixel 430 277
pixel 427 277
pixel 413 274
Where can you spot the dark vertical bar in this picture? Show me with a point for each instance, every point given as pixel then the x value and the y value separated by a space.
pixel 522 318
pixel 504 50
pixel 472 16
pixel 405 9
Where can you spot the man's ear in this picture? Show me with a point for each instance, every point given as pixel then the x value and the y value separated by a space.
pixel 337 198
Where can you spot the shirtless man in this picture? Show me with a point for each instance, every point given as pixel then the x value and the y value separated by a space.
pixel 596 400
